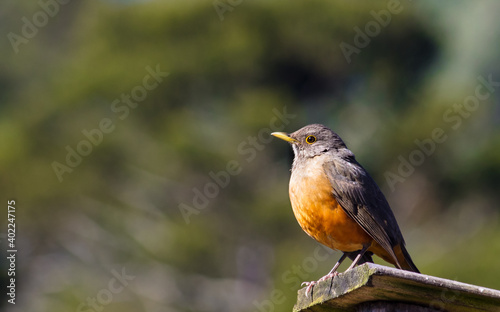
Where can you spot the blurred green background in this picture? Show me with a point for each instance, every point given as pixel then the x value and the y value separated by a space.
pixel 382 74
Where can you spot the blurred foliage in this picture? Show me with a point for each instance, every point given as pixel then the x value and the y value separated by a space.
pixel 227 77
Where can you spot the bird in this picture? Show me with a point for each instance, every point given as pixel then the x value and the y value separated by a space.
pixel 337 203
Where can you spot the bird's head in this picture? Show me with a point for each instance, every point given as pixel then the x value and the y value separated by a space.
pixel 312 140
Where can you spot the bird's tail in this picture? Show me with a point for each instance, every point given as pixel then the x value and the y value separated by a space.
pixel 404 258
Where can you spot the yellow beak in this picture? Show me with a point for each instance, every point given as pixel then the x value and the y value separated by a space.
pixel 284 136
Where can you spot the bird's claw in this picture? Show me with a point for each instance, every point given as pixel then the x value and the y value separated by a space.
pixel 328 276
pixel 310 285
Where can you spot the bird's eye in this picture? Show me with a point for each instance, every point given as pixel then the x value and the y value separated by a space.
pixel 311 139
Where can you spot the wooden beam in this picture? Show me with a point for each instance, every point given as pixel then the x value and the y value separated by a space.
pixel 370 287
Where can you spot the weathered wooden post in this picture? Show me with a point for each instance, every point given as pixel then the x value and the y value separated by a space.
pixel 372 287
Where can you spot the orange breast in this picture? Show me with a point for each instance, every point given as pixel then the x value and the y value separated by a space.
pixel 319 214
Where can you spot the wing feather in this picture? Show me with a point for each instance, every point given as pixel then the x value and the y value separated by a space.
pixel 360 197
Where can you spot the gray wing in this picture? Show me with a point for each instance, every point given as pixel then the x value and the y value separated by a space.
pixel 360 197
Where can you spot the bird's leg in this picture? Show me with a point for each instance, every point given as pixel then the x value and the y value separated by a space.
pixel 331 274
pixel 356 260
pixel 333 271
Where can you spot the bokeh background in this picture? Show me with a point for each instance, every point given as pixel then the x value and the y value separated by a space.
pixel 129 206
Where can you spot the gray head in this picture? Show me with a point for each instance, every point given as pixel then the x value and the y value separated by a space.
pixel 314 140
